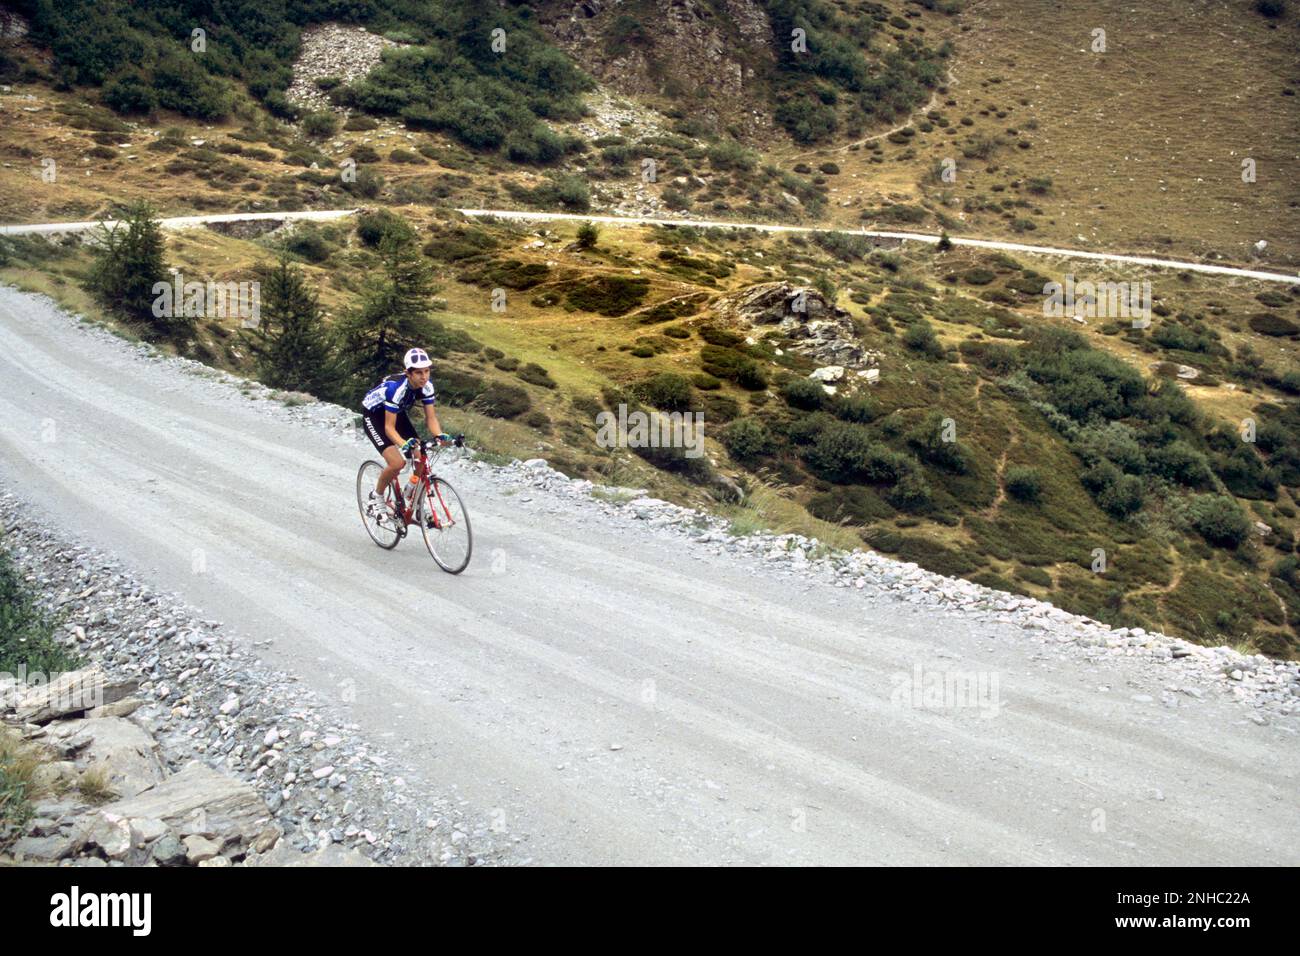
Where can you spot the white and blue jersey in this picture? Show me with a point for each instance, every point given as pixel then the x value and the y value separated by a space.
pixel 394 394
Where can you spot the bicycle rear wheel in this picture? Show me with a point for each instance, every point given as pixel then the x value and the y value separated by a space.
pixel 383 529
pixel 444 522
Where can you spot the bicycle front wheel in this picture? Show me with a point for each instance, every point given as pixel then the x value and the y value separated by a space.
pixel 444 522
pixel 383 528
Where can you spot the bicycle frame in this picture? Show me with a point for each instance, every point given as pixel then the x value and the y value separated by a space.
pixel 421 480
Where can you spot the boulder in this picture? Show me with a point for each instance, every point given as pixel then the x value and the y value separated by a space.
pixel 199 800
pixel 816 327
pixel 69 694
pixel 131 757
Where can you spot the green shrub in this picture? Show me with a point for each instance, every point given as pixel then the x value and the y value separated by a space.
pixel 588 233
pixel 1219 520
pixel 374 224
pixel 1120 496
pixel 929 440
pixel 306 242
pixel 805 393
pixel 1024 484
pixel 747 439
pixel 608 295
pixel 729 154
pixel 534 374
pixel 920 337
pixel 320 125
pixel 856 408
pixel 1179 461
pixel 751 377
pixel 538 145
pixel 1266 323
pixel 668 391
pixel 504 401
pixel 130 92
pixel 840 452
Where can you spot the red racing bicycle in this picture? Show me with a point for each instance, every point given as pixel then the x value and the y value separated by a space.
pixel 429 502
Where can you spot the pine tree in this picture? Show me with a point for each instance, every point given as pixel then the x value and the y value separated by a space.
pixel 128 263
pixel 293 346
pixel 394 312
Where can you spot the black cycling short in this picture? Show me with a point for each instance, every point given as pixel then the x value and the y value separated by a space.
pixel 374 419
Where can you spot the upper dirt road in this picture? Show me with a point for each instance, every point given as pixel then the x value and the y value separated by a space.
pixel 612 695
pixel 1205 268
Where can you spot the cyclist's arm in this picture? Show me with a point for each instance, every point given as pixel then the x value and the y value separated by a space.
pixel 431 419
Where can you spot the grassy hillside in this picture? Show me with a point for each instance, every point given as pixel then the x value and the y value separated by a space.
pixel 1069 438
pixel 1095 464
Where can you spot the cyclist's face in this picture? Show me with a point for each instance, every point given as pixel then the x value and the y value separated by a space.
pixel 419 377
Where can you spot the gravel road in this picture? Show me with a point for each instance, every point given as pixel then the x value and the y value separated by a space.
pixel 604 690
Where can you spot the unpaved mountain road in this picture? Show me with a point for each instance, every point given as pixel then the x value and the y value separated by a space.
pixel 1205 268
pixel 610 695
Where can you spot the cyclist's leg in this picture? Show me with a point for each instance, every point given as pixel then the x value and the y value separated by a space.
pixel 392 455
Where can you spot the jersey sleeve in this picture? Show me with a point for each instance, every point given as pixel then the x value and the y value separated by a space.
pixel 393 395
pixel 427 395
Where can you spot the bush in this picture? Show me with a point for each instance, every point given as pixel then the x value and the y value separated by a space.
pixel 368 184
pixel 588 233
pixel 1266 323
pixel 1178 461
pixel 747 439
pixel 1024 484
pixel 130 92
pixel 1121 497
pixel 534 374
pixel 539 145
pixel 920 337
pixel 374 224
pixel 504 401
pixel 911 492
pixel 750 377
pixel 1219 520
pixel 668 391
pixel 182 85
pixel 320 125
pixel 805 393
pixel 857 408
pixel 729 154
pixel 840 452
pixel 928 438
pixel 307 243
pixel 608 295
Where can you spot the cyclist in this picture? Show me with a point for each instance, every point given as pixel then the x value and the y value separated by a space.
pixel 389 429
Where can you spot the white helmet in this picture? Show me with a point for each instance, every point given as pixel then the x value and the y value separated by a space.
pixel 417 358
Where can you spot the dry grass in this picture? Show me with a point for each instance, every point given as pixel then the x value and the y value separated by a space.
pixel 18 762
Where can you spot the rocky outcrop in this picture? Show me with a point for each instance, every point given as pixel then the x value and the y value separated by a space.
pixel 675 47
pixel 333 50
pixel 69 694
pixel 801 314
